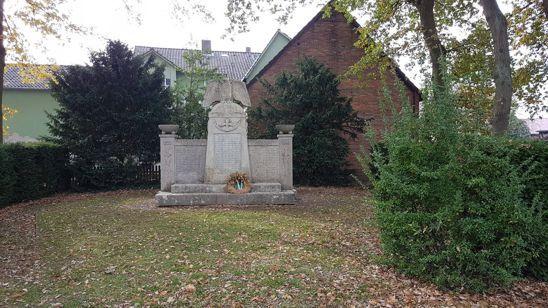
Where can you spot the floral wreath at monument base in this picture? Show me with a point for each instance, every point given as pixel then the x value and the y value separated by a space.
pixel 238 183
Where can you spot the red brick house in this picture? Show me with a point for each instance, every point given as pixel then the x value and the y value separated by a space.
pixel 331 42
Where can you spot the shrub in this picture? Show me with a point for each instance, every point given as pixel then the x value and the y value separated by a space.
pixel 531 159
pixel 448 210
pixel 517 129
pixel 31 171
pixel 310 99
pixel 531 156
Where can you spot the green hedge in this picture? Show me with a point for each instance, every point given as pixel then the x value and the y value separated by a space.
pixel 532 154
pixel 531 158
pixel 35 170
pixel 30 171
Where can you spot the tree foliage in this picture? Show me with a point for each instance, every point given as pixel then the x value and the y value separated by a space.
pixel 109 111
pixel 7 113
pixel 528 27
pixel 188 94
pixel 44 18
pixel 311 100
pixel 195 76
pixel 192 119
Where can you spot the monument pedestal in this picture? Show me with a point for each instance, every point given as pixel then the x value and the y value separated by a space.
pixel 215 195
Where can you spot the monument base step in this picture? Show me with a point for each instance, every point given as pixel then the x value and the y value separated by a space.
pixel 220 188
pixel 252 198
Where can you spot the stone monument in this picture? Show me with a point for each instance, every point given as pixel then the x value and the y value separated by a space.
pixel 227 149
pixel 196 172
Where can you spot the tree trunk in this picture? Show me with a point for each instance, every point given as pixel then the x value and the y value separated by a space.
pixel 432 40
pixel 545 7
pixel 2 66
pixel 502 74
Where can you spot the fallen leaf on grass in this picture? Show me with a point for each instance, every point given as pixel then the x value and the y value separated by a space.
pixel 190 288
pixel 110 270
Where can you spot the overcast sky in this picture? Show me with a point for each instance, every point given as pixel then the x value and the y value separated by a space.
pixel 108 19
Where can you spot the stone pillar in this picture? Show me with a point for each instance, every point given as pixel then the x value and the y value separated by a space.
pixel 167 156
pixel 285 140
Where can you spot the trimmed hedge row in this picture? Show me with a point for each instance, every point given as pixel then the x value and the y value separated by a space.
pixel 35 170
pixel 31 171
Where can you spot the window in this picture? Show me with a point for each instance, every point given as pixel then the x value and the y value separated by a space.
pixel 167 82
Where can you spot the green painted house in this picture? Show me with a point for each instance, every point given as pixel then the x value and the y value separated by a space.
pixel 33 99
pixel 274 46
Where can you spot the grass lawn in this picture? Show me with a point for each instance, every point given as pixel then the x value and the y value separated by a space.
pixel 118 248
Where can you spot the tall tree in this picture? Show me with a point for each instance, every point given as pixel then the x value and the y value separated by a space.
pixel 502 73
pixel 430 33
pixel 110 110
pixel 189 91
pixel 311 100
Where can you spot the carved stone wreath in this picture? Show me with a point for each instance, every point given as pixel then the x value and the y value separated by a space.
pixel 227 124
pixel 238 183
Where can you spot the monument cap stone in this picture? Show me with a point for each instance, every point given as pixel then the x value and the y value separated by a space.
pixel 285 128
pixel 226 91
pixel 168 128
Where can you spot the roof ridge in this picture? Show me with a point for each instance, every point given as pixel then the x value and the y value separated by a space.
pixel 173 48
pixel 164 47
pixel 19 64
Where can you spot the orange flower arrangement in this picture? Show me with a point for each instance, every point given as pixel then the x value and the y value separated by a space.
pixel 238 183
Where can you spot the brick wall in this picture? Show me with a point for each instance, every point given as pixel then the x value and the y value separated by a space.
pixel 331 42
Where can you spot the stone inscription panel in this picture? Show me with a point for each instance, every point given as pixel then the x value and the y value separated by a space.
pixel 189 163
pixel 227 153
pixel 264 162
